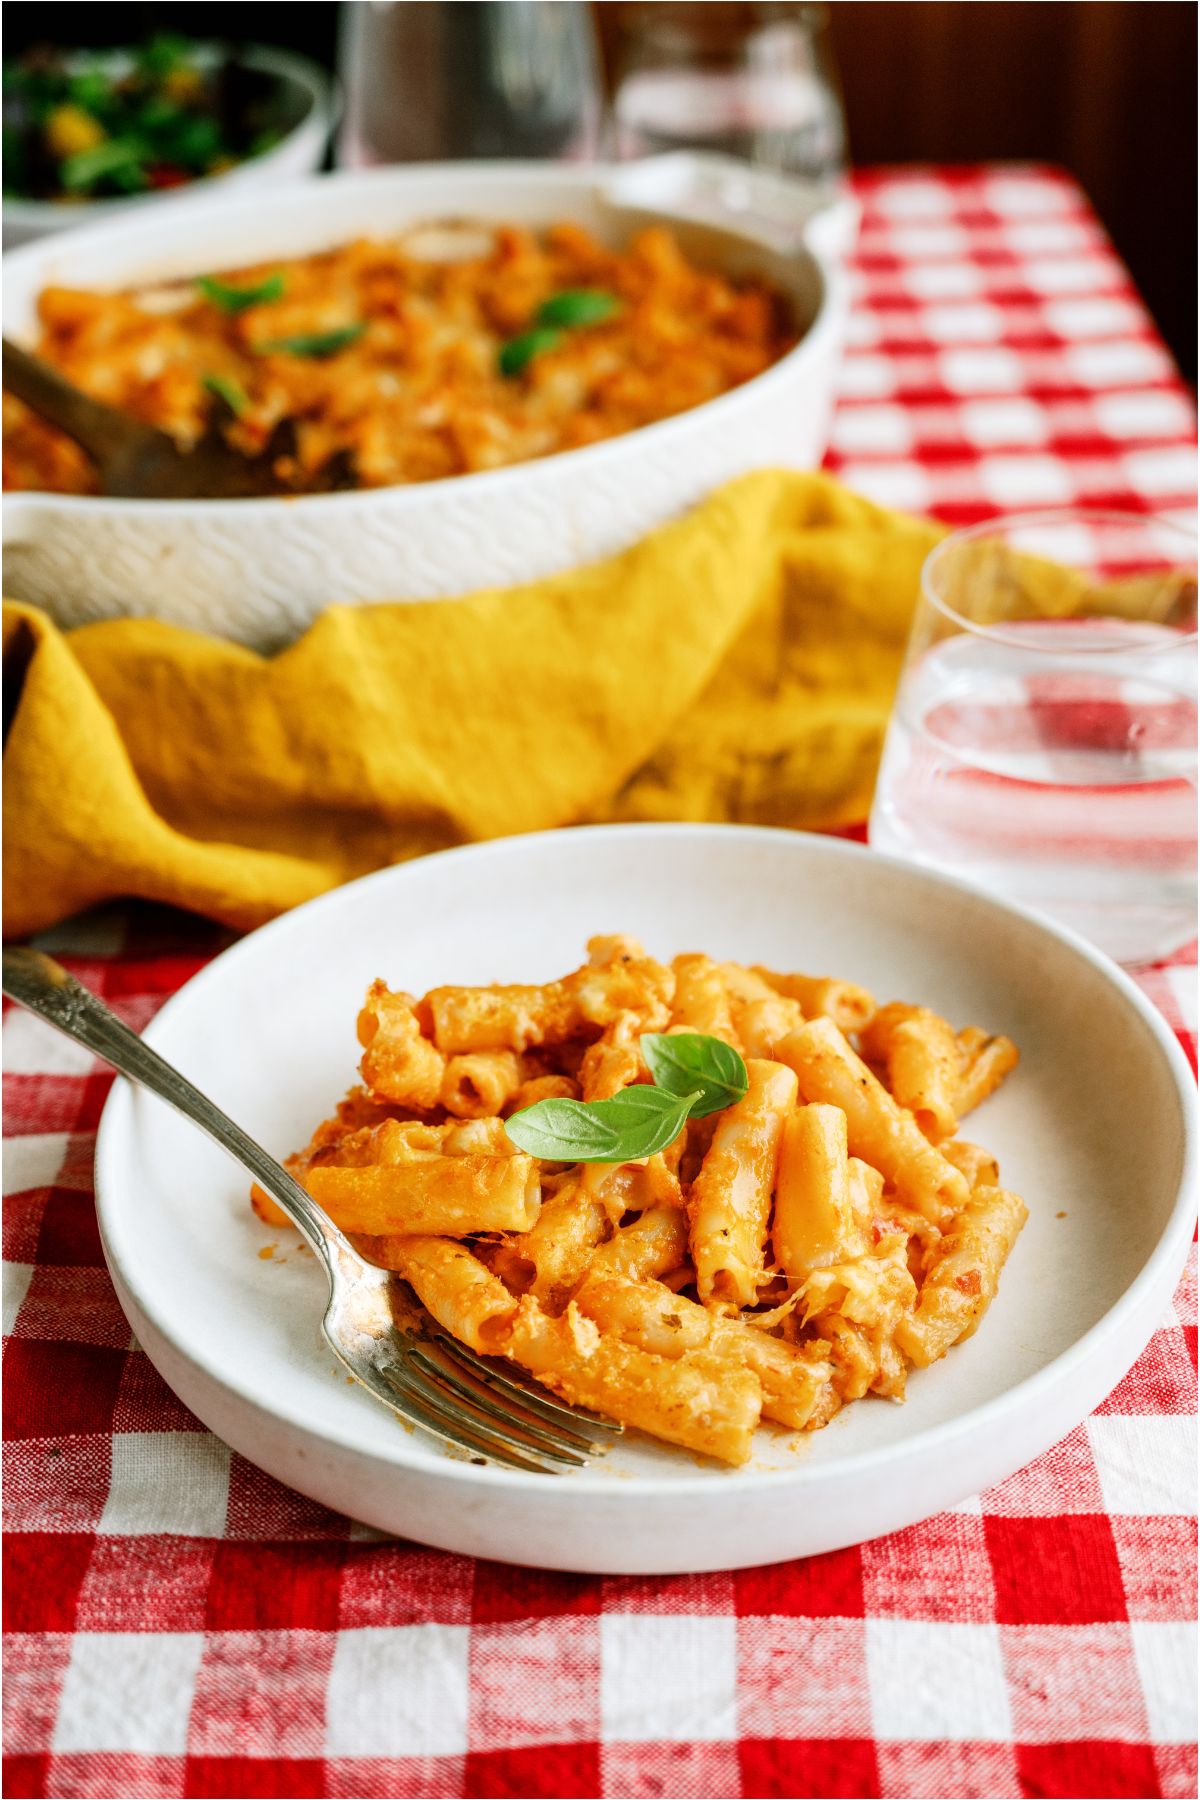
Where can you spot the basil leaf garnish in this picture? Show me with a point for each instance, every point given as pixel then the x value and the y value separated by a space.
pixel 694 1075
pixel 520 351
pixel 684 1062
pixel 636 1122
pixel 314 343
pixel 230 391
pixel 237 299
pixel 578 306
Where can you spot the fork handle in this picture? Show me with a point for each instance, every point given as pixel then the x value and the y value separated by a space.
pixel 45 987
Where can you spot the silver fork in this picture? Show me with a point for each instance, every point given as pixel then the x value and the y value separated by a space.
pixel 388 1343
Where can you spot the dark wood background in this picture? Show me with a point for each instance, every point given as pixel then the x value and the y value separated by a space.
pixel 1106 88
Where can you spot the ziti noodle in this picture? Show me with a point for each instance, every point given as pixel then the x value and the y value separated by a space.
pixel 440 352
pixel 820 1229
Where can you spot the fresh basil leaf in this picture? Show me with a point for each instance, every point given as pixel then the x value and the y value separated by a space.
pixel 578 306
pixel 316 343
pixel 636 1122
pixel 648 1112
pixel 683 1062
pixel 237 299
pixel 562 1130
pixel 230 391
pixel 520 351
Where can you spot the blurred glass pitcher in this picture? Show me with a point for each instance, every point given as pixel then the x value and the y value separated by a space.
pixel 754 81
pixel 427 81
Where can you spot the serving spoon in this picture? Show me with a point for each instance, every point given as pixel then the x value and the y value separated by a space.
pixel 386 1341
pixel 138 461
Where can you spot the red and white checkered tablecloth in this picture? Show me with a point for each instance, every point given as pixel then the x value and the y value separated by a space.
pixel 1000 359
pixel 177 1623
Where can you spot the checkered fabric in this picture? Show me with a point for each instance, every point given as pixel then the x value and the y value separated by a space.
pixel 1000 359
pixel 177 1623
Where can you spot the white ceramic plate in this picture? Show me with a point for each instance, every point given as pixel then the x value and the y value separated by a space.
pixel 1094 1129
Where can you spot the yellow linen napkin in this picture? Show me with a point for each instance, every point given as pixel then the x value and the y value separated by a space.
pixel 736 664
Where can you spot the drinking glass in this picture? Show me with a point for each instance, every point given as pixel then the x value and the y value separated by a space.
pixel 1043 741
pixel 434 80
pixel 756 82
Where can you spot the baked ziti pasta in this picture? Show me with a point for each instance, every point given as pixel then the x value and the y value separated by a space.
pixel 442 351
pixel 796 1226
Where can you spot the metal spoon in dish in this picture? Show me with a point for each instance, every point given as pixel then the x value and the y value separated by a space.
pixel 137 461
pixel 386 1341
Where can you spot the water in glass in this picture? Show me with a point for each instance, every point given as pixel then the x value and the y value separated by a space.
pixel 1056 768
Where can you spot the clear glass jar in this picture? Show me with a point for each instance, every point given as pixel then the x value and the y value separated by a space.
pixel 758 82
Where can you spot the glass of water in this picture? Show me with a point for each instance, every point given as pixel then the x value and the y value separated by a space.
pixel 1043 742
pixel 753 81
pixel 492 78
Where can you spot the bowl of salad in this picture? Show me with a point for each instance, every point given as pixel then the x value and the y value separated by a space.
pixel 87 133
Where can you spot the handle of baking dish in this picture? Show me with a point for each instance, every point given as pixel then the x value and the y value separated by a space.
pixel 772 208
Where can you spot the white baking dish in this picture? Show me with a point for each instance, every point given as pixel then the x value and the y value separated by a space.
pixel 261 570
